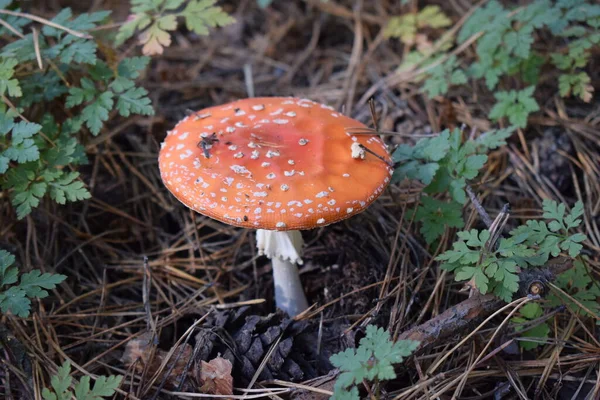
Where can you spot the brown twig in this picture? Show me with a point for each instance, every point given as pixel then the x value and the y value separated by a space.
pixel 47 22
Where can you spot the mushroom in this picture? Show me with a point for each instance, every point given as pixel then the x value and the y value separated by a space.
pixel 278 165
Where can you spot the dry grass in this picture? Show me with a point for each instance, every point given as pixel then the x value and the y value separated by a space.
pixel 371 269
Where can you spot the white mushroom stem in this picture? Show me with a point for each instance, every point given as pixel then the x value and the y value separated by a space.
pixel 284 248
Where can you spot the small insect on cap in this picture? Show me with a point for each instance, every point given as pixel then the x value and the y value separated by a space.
pixel 273 163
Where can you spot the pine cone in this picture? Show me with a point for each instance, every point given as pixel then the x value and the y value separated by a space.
pixel 245 340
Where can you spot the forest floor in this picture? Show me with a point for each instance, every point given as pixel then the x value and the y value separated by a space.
pixel 147 277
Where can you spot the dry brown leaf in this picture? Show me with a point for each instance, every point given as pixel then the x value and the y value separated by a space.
pixel 216 377
pixel 138 352
pixel 587 93
pixel 154 40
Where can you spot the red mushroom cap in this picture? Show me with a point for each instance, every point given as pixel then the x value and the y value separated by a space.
pixel 276 163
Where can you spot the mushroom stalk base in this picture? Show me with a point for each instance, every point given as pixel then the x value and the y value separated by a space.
pixel 289 294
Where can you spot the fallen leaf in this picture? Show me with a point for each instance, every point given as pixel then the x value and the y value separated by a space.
pixel 216 378
pixel 139 352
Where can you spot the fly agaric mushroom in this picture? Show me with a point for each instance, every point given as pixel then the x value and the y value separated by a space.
pixel 278 165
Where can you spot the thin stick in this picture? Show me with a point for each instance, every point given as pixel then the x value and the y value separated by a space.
pixel 47 22
pixel 374 115
pixel 516 303
pixel 474 364
pixel 574 300
pixel 249 79
pixel 365 148
pixel 371 131
pixel 10 28
pixel 497 227
pixel 146 284
pixel 480 210
pixel 36 46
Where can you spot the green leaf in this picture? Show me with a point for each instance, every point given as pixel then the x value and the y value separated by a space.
pixel 494 139
pixel 14 300
pixel 95 113
pixel 553 210
pixel 134 100
pixel 63 153
pixel 24 130
pixel 540 331
pixel 61 382
pixel 104 387
pixel 529 69
pixel 80 51
pixel 7 120
pixel 127 30
pixel 8 84
pixel 345 359
pixel 42 87
pixel 481 281
pixel 514 105
pixel 78 95
pixel 465 273
pixel 485 18
pixel 519 42
pixel 17 23
pixel 201 14
pixel 495 268
pixel 8 272
pixel 414 170
pixel 405 27
pixel 571 247
pixel 433 16
pixel 23 149
pixel 510 282
pixel 494 271
pixel 443 75
pixel 34 283
pixel 458 77
pixel 578 283
pixel 82 22
pixel 28 198
pixel 575 278
pixel 472 165
pixel 372 360
pixel 130 68
pixel 578 84
pixel 436 216
pixel 427 149
pixel 23 152
pixel 402 27
pixel 4 162
pixel 68 188
pixel 467 248
pixel 343 394
pixel 572 220
pixel 155 24
pixel 48 395
pixel 531 310
pixel 457 190
pixel 433 149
